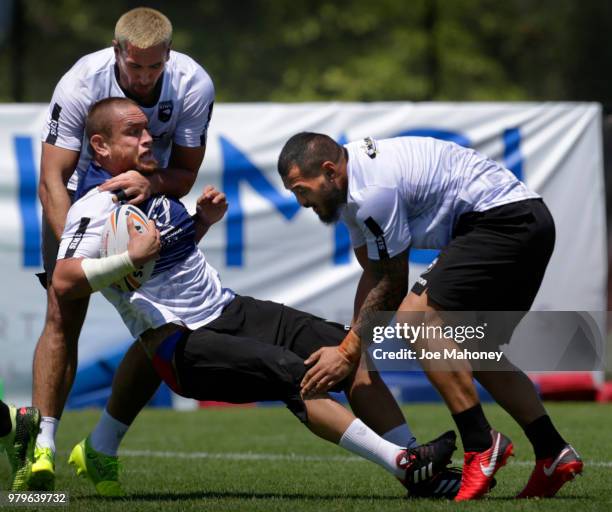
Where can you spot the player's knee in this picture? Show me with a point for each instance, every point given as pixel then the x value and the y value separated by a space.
pixel 298 407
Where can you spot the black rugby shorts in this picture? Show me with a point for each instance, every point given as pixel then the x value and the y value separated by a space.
pixel 253 352
pixel 495 261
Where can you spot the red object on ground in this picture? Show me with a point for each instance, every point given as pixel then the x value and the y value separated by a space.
pixel 566 386
pixel 605 392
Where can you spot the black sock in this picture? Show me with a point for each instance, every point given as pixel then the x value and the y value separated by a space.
pixel 546 440
pixel 6 425
pixel 474 429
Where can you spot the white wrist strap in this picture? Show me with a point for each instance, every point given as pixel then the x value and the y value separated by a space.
pixel 102 272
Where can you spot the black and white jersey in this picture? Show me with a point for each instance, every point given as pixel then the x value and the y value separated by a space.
pixel 184 288
pixel 181 115
pixel 410 192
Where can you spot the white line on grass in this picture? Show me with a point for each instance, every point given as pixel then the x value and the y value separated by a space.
pixel 290 457
pixel 239 456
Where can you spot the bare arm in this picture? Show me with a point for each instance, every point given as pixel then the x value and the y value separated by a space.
pixel 390 278
pixel 70 280
pixel 56 167
pixel 366 281
pixel 175 181
pixel 178 179
pixel 382 287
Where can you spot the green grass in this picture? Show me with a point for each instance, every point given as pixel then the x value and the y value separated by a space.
pixel 325 482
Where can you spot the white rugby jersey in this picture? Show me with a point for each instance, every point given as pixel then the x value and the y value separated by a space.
pixel 410 191
pixel 189 293
pixel 181 115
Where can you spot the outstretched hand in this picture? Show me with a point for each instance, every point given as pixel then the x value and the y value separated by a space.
pixel 330 367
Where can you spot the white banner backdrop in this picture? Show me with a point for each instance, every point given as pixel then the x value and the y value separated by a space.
pixel 270 248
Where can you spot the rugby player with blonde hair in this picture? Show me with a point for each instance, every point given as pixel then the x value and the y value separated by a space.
pixel 176 95
pixel 143 28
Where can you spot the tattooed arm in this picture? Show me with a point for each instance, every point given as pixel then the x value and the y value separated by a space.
pixel 382 287
pixel 367 280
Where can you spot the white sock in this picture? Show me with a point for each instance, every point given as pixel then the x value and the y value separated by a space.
pixel 363 441
pixel 108 434
pixel 46 435
pixel 401 436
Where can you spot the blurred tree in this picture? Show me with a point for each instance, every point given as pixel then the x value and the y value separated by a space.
pixel 351 50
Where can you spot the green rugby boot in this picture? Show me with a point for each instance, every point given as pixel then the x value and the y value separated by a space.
pixel 19 444
pixel 42 477
pixel 102 470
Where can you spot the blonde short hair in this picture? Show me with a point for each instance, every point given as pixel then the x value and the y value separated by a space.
pixel 143 27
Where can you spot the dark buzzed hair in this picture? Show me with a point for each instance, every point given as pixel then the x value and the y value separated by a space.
pixel 98 119
pixel 308 151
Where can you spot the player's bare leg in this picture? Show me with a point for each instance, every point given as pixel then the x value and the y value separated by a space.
pixel 483 447
pixel 134 384
pixel 331 421
pixel 452 378
pixel 55 357
pixel 509 385
pixel 327 418
pixel 515 392
pixel 54 368
pixel 373 403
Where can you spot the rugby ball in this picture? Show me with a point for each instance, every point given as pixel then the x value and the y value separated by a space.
pixel 115 239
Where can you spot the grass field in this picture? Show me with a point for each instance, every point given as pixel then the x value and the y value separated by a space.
pixel 263 459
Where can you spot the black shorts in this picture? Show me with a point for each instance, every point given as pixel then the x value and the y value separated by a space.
pixel 253 352
pixel 495 261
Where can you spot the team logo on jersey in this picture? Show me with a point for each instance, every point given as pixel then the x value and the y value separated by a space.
pixel 159 211
pixel 164 112
pixel 369 146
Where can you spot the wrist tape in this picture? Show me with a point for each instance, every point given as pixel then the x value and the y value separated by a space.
pixel 351 347
pixel 102 272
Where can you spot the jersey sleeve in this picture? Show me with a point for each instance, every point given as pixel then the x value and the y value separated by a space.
pixel 192 127
pixel 383 221
pixel 82 237
pixel 67 113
